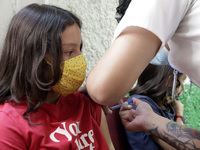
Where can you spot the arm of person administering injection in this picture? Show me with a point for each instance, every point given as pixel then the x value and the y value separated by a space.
pixel 117 71
pixel 144 119
pixel 179 109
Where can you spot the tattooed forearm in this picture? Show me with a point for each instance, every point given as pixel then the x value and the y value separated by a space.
pixel 183 131
pixel 178 136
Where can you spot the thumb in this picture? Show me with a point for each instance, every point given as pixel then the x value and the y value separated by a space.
pixel 136 101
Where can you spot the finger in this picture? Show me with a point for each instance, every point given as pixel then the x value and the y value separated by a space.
pixel 126 115
pixel 134 112
pixel 130 116
pixel 125 107
pixel 136 101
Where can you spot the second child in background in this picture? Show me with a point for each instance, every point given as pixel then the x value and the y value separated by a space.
pixel 154 86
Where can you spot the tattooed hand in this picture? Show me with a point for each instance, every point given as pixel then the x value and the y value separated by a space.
pixel 135 120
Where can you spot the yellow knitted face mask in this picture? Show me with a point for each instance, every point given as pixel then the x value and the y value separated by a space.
pixel 74 72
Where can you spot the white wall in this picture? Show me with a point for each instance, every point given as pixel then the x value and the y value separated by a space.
pixel 98 22
pixel 7 9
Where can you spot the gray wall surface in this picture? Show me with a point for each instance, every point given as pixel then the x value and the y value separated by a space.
pixel 8 8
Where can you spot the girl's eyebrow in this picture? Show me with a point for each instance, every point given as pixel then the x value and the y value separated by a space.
pixel 70 44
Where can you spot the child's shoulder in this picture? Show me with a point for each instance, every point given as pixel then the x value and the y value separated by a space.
pixel 83 99
pixel 80 96
pixel 13 109
pixel 12 113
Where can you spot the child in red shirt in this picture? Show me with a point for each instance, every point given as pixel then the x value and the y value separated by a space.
pixel 41 67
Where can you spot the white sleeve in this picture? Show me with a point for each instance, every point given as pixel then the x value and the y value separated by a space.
pixel 161 17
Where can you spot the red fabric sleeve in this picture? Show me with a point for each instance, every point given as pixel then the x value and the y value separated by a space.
pixel 11 137
pixel 96 111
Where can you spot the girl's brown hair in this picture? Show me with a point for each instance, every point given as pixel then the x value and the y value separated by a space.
pixel 34 32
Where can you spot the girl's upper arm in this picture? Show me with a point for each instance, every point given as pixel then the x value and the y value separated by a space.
pixel 105 131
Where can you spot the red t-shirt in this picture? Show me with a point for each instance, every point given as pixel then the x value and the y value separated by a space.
pixel 72 124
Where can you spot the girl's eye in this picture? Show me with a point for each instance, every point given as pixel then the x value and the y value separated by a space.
pixel 69 52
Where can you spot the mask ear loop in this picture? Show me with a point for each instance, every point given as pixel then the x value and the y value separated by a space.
pixel 175 72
